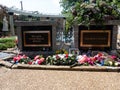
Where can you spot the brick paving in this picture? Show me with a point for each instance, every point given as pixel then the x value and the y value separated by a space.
pixel 23 79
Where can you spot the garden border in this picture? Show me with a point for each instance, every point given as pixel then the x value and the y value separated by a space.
pixel 63 68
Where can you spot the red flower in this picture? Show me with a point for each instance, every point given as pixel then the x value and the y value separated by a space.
pixel 93 59
pixel 29 63
pixel 66 55
pixel 99 54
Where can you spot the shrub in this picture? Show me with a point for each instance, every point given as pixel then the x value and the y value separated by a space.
pixel 8 42
pixel 3 47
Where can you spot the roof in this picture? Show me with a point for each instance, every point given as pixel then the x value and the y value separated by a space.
pixel 32 13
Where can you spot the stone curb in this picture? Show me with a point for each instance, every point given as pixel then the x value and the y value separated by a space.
pixel 6 64
pixel 63 68
pixel 68 68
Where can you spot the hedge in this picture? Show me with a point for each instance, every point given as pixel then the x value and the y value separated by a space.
pixel 8 42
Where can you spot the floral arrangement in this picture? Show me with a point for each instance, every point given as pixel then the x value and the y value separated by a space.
pixel 23 59
pixel 61 59
pixel 39 59
pixel 100 59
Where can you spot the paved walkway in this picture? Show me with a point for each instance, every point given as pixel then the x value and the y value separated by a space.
pixel 21 79
pixel 3 70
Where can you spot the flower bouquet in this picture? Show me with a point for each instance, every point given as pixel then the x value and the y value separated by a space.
pixel 61 59
pixel 23 59
pixel 100 59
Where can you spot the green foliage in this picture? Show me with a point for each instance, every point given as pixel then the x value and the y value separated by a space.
pixel 3 47
pixel 97 11
pixel 7 43
pixel 69 19
pixel 67 4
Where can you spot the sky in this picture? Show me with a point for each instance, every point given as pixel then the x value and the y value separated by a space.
pixel 42 6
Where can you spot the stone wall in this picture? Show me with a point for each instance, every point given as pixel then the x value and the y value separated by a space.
pixel 114 33
pixel 55 28
pixel 41 23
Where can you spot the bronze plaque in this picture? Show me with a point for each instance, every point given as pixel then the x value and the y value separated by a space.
pixel 37 38
pixel 95 38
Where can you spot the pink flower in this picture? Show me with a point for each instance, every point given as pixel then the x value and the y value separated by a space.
pixel 42 59
pixel 19 57
pixel 39 62
pixel 24 56
pixel 36 57
pixel 90 61
pixel 16 59
pixel 93 59
pixel 113 57
pixel 83 59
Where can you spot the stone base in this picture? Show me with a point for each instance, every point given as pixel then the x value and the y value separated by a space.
pixel 67 68
pixel 64 68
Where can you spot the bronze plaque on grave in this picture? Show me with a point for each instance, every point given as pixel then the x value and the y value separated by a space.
pixel 95 38
pixel 37 38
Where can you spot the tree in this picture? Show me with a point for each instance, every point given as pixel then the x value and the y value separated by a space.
pixel 67 7
pixel 67 4
pixel 87 11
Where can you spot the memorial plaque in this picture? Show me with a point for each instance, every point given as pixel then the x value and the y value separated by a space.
pixel 95 38
pixel 37 38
